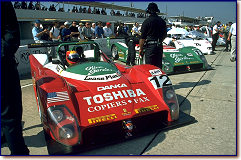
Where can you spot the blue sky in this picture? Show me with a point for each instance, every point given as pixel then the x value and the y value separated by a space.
pixel 222 11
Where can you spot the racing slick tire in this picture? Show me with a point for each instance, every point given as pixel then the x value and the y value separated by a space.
pixel 114 52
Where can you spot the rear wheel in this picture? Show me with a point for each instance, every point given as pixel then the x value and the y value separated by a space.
pixel 114 52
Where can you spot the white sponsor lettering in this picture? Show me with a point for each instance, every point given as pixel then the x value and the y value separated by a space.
pixel 114 95
pixel 117 104
pixel 96 69
pixel 111 87
pixel 179 57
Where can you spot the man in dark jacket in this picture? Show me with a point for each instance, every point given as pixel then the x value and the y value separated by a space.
pixel 11 96
pixel 153 32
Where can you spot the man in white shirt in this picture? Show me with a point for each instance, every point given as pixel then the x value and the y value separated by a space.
pixel 232 34
pixel 80 29
pixel 55 32
pixel 135 30
pixel 216 30
pixel 107 30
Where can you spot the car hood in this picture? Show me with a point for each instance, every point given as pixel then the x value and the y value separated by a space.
pixel 182 56
pixel 104 102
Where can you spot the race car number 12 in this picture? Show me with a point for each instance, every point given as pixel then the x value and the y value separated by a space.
pixel 159 81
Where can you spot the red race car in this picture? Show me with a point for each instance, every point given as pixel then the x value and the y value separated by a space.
pixel 85 99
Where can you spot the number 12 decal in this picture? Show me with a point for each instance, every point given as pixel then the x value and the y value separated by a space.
pixel 159 81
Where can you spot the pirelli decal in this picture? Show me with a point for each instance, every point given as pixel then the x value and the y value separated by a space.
pixel 146 109
pixel 102 119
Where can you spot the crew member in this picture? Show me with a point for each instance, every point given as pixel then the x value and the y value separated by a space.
pixel 131 43
pixel 216 30
pixel 232 37
pixel 11 97
pixel 153 32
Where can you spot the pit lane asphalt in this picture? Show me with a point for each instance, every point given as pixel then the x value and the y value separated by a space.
pixel 209 96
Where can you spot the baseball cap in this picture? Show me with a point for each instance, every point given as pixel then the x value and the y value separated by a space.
pixel 37 21
pixel 108 23
pixel 66 23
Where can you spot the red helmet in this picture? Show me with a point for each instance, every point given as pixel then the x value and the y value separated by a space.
pixel 72 57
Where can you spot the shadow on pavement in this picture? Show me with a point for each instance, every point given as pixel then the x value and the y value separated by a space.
pixel 134 146
pixel 26 76
pixel 185 109
pixel 190 84
pixel 35 126
pixel 35 140
pixel 184 104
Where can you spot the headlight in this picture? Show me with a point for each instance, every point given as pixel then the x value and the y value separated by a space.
pixel 171 100
pixel 204 61
pixel 170 94
pixel 63 125
pixel 174 111
pixel 58 115
pixel 66 133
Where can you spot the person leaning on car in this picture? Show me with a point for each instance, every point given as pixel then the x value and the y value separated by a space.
pixel 153 32
pixel 11 97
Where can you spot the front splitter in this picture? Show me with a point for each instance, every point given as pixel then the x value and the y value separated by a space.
pixel 55 148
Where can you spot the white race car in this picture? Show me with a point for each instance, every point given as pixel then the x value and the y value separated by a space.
pixel 180 38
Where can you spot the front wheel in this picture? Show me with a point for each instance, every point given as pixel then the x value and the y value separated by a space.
pixel 114 52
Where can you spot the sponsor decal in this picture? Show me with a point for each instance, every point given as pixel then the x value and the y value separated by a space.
pixel 126 113
pixel 102 118
pixel 146 109
pixel 190 54
pixel 59 69
pixel 24 56
pixel 138 96
pixel 104 78
pixel 195 62
pixel 160 81
pixel 39 52
pixel 111 87
pixel 57 97
pixel 178 63
pixel 197 44
pixel 179 57
pixel 155 72
pixel 96 69
pixel 114 95
pixel 70 118
pixel 170 50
